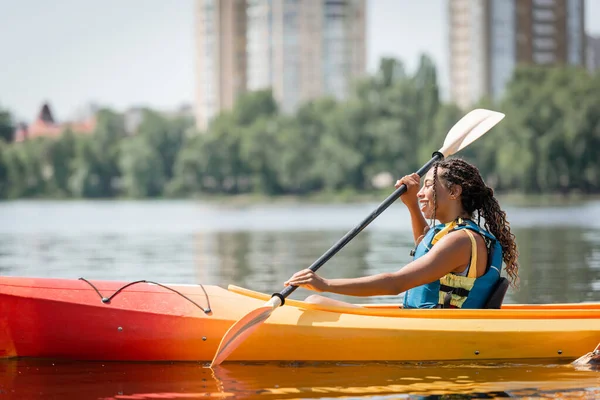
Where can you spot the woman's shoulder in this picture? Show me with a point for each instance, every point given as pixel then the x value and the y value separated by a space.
pixel 452 251
pixel 469 224
pixel 455 240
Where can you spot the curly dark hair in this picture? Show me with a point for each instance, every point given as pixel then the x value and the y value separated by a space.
pixel 476 196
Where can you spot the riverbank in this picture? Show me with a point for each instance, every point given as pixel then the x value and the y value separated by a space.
pixel 341 197
pixel 353 197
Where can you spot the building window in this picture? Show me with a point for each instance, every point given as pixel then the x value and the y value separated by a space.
pixel 544 43
pixel 544 58
pixel 543 29
pixel 543 15
pixel 542 3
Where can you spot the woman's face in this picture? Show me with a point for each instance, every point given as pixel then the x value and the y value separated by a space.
pixel 425 196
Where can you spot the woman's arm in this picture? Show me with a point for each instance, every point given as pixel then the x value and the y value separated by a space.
pixel 411 201
pixel 450 253
pixel 417 220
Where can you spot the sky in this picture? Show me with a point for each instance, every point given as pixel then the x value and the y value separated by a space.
pixel 124 53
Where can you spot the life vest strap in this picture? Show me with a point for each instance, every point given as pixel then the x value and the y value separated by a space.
pixel 473 261
pixel 452 290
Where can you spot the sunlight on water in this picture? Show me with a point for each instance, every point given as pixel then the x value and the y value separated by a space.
pixel 294 380
pixel 259 247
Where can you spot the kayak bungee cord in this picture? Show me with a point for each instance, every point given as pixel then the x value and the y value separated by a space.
pixel 108 299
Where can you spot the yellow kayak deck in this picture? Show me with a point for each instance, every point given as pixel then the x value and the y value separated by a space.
pixel 303 331
pixel 508 311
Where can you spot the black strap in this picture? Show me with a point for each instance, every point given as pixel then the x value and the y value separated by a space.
pixel 451 290
pixel 447 299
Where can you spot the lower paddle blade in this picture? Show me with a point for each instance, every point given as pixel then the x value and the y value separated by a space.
pixel 242 329
pixel 591 358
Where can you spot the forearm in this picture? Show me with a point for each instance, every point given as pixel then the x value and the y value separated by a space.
pixel 446 256
pixel 417 220
pixel 374 285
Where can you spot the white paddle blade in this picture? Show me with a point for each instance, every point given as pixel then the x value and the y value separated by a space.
pixel 239 331
pixel 470 128
pixel 591 358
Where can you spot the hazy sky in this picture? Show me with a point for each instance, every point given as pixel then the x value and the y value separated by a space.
pixel 123 53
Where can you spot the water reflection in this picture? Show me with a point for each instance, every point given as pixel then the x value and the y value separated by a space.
pixel 557 266
pixel 87 380
pixel 259 247
pixel 264 260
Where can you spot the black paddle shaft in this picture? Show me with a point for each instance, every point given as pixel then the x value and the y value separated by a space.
pixel 357 229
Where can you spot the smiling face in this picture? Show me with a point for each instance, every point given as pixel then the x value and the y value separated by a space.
pixel 438 197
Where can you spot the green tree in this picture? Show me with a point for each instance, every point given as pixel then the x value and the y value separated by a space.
pixel 548 141
pixel 4 183
pixel 7 126
pixel 61 155
pixel 85 179
pixel 260 153
pixel 96 162
pixel 252 105
pixel 188 171
pixel 143 171
pixel 165 136
pixel 300 138
pixel 427 104
pixel 390 123
pixel 25 168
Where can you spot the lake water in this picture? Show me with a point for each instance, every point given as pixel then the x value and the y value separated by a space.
pixel 259 247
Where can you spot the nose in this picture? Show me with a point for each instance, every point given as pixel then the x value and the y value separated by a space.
pixel 421 192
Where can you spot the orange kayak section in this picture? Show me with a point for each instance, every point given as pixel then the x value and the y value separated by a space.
pixel 67 319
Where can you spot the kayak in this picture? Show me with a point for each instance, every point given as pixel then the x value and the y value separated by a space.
pixel 83 319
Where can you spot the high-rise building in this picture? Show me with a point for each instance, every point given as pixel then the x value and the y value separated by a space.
pixel 220 56
pixel 299 49
pixel 489 38
pixel 593 53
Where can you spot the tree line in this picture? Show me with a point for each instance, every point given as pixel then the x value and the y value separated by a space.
pixel 389 125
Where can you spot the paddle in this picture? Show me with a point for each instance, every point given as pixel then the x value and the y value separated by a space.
pixel 591 358
pixel 464 132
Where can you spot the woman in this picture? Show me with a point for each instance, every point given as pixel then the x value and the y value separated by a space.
pixel 456 264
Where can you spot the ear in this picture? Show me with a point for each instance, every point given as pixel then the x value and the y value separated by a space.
pixel 455 191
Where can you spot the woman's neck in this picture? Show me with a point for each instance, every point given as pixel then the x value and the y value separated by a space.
pixel 453 217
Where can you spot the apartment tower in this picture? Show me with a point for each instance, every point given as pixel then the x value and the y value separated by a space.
pixel 593 53
pixel 220 56
pixel 299 49
pixel 489 38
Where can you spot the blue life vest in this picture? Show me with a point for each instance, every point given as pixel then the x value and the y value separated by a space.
pixel 454 290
